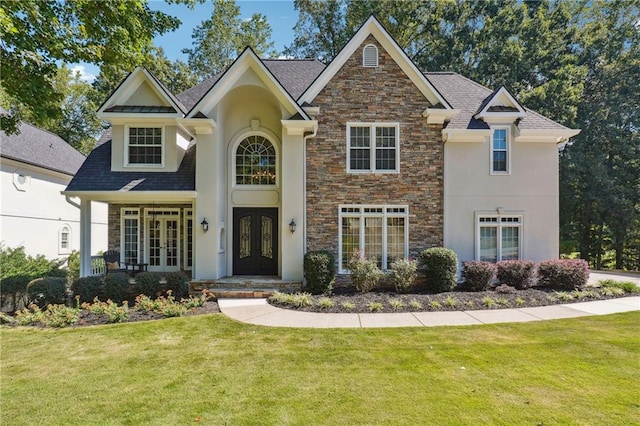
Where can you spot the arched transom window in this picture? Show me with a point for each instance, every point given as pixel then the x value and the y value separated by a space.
pixel 256 162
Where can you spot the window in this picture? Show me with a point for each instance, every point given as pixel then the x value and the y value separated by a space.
pixel 499 238
pixel 370 56
pixel 255 162
pixel 500 151
pixel 64 239
pixel 144 146
pixel 373 147
pixel 130 234
pixel 188 239
pixel 377 231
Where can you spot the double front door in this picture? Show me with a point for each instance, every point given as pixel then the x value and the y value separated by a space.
pixel 163 243
pixel 255 241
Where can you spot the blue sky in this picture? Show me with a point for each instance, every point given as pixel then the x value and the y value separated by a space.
pixel 280 14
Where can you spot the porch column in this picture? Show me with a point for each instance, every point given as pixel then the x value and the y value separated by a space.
pixel 85 237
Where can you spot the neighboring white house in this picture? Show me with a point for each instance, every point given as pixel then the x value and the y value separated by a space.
pixel 36 166
pixel 245 172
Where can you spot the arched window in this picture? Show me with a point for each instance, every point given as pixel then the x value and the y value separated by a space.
pixel 370 56
pixel 64 240
pixel 256 162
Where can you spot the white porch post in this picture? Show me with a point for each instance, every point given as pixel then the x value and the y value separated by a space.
pixel 85 237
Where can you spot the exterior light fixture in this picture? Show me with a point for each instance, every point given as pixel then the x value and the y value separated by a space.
pixel 292 226
pixel 205 225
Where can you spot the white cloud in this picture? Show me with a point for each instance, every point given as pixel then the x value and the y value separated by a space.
pixel 84 74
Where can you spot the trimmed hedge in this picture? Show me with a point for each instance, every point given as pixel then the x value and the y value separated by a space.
pixel 47 291
pixel 148 283
pixel 319 271
pixel 178 283
pixel 116 286
pixel 478 275
pixel 565 273
pixel 87 288
pixel 440 267
pixel 515 273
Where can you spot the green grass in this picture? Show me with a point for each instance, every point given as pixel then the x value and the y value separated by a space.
pixel 575 371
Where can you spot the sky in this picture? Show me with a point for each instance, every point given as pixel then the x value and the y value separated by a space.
pixel 280 14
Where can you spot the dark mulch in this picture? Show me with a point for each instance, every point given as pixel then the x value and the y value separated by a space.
pixel 87 318
pixel 449 301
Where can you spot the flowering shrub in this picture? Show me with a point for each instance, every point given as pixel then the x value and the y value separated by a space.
pixel 364 272
pixel 478 275
pixel 111 310
pixel 440 267
pixel 403 274
pixel 53 316
pixel 516 273
pixel 566 273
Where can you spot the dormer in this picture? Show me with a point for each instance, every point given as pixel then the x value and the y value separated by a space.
pixel 500 108
pixel 144 116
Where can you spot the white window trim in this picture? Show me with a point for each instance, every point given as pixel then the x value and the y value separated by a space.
pixel 124 216
pixel 364 49
pixel 188 214
pixel 372 146
pixel 68 249
pixel 361 214
pixel 508 136
pixel 499 225
pixel 162 146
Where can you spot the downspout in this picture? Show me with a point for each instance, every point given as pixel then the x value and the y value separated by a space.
pixel 73 203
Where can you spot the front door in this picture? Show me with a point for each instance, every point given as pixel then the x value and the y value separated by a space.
pixel 255 241
pixel 163 244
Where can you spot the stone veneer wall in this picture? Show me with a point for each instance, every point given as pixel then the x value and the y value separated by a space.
pixel 382 94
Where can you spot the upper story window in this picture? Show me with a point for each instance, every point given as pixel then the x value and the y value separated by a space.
pixel 144 146
pixel 500 156
pixel 373 147
pixel 370 56
pixel 256 162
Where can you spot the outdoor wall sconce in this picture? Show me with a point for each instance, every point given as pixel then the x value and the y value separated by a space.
pixel 292 226
pixel 205 225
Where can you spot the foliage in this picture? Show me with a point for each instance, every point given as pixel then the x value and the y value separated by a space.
pixel 348 306
pixel 116 286
pixel 450 302
pixel 488 302
pixel 17 269
pixel 326 303
pixel 37 35
pixel 73 266
pixel 440 267
pixel 403 274
pixel 87 288
pixel 297 300
pixel 178 284
pixel 565 273
pixel 374 306
pixel 396 304
pixel 626 286
pixel 365 273
pixel 52 316
pixel 319 271
pixel 46 291
pixel 478 275
pixel 516 273
pixel 505 289
pixel 115 313
pixel 147 283
pixel 168 306
pixel 415 305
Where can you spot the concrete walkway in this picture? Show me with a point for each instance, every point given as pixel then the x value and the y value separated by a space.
pixel 259 312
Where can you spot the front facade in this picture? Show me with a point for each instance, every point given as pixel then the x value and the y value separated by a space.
pixel 247 171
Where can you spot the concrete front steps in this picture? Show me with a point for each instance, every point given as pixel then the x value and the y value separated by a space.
pixel 244 286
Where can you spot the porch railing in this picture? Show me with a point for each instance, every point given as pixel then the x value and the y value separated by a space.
pixel 98 267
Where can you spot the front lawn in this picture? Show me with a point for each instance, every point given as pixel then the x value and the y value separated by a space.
pixel 213 370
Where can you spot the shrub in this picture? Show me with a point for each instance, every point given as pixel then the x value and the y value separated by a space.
pixel 374 306
pixel 566 273
pixel 73 266
pixel 87 288
pixel 625 286
pixel 440 266
pixel 403 274
pixel 17 269
pixel 325 303
pixel 178 283
pixel 147 283
pixel 415 305
pixel 396 304
pixel 348 306
pixel 319 271
pixel 47 291
pixel 516 273
pixel 116 286
pixel 364 272
pixel 478 275
pixel 505 289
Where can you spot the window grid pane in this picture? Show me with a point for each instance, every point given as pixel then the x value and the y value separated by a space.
pixel 373 239
pixel 360 148
pixel 510 243
pixel 488 244
pixel 131 240
pixel 256 162
pixel 350 238
pixel 385 148
pixel 189 248
pixel 395 239
pixel 145 145
pixel 499 150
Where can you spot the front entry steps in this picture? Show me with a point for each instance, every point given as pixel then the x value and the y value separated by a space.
pixel 244 286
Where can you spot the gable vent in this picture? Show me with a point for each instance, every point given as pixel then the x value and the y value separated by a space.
pixel 370 56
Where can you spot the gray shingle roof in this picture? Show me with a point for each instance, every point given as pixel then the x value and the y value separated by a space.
pixel 141 108
pixel 96 175
pixel 40 148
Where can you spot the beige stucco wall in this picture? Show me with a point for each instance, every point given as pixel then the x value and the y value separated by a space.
pixel 531 189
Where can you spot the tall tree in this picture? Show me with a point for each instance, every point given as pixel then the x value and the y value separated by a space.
pixel 36 35
pixel 218 41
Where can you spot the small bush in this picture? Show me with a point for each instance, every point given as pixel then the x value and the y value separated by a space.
pixel 505 289
pixel 116 286
pixel 450 301
pixel 625 286
pixel 17 269
pixel 434 304
pixel 348 306
pixel 440 266
pixel 415 305
pixel 403 274
pixel 516 273
pixel 87 288
pixel 147 283
pixel 374 306
pixel 319 271
pixel 178 283
pixel 566 273
pixel 53 316
pixel 488 302
pixel 325 303
pixel 364 272
pixel 300 300
pixel 47 291
pixel 478 275
pixel 396 304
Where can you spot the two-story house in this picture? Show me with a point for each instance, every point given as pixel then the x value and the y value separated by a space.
pixel 244 173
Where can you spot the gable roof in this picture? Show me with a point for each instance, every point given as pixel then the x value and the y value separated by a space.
pixel 40 148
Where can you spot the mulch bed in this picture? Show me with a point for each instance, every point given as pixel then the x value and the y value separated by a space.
pixel 464 300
